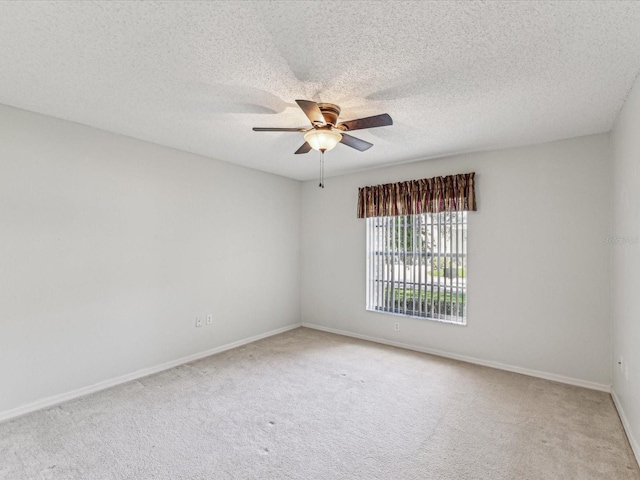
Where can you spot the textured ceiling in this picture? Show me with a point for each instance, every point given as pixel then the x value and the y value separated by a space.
pixel 455 76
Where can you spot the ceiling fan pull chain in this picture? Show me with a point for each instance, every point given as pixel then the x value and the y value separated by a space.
pixel 321 185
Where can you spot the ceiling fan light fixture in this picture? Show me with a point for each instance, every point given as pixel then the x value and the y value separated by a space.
pixel 322 139
pixel 326 131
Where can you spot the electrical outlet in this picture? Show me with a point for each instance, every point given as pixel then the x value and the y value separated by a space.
pixel 209 319
pixel 198 321
pixel 396 326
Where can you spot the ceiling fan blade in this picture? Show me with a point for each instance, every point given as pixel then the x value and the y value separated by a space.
pixel 305 148
pixel 268 129
pixel 356 143
pixel 312 111
pixel 381 120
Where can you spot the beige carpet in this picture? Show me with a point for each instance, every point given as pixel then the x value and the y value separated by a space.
pixel 310 405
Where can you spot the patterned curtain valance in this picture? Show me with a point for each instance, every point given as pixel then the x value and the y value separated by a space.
pixel 453 193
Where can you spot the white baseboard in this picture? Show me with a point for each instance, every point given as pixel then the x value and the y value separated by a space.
pixel 463 358
pixel 635 446
pixel 63 397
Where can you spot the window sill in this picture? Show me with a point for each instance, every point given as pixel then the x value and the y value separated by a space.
pixel 449 321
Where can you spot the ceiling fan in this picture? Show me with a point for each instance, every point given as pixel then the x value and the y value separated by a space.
pixel 326 132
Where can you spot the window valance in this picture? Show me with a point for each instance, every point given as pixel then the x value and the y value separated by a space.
pixel 453 193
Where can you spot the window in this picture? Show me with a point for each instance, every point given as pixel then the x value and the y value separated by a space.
pixel 417 265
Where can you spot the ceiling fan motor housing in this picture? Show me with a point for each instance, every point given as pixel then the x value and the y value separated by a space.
pixel 330 112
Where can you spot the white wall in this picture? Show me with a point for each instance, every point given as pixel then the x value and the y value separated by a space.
pixel 539 273
pixel 625 140
pixel 110 246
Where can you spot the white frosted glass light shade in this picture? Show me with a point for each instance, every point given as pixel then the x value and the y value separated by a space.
pixel 322 140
